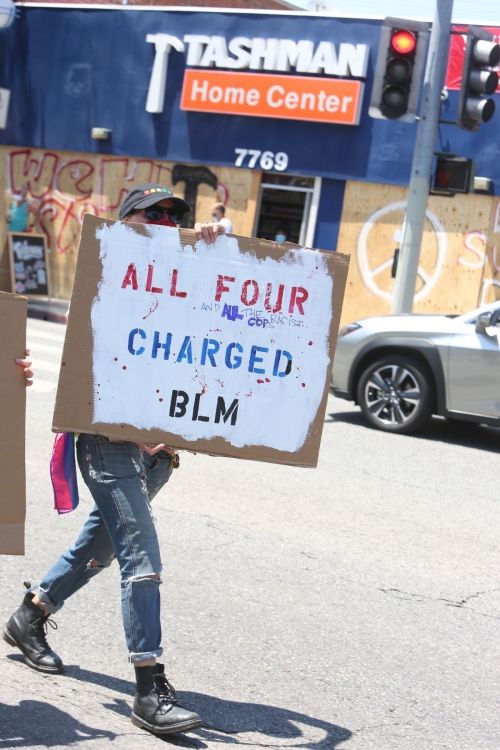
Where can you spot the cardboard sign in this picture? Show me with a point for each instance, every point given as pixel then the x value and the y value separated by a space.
pixel 224 349
pixel 12 432
pixel 28 264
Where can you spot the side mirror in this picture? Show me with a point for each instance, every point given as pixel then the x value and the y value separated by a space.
pixel 483 321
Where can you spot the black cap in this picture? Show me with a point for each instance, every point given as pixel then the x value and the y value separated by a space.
pixel 144 196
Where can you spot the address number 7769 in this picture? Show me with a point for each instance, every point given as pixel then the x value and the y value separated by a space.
pixel 266 160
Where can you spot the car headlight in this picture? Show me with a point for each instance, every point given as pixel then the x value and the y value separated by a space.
pixel 349 328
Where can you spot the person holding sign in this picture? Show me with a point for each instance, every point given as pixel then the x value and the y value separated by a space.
pixel 123 478
pixel 26 364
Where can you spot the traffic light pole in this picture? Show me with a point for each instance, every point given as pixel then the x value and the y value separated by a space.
pixel 421 168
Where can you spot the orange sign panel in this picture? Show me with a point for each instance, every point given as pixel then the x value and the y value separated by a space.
pixel 334 100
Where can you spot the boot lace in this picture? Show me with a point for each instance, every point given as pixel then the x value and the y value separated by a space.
pixel 43 627
pixel 164 690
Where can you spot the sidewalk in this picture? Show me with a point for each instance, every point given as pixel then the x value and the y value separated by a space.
pixel 48 309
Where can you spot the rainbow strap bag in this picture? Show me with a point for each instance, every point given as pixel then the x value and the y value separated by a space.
pixel 63 473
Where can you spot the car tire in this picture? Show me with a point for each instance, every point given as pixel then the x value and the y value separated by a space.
pixel 395 395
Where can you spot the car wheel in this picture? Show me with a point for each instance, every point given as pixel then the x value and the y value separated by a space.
pixel 394 394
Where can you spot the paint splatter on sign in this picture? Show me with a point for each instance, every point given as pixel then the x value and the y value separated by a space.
pixel 206 324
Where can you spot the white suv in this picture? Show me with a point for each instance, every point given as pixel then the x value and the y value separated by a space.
pixel 401 369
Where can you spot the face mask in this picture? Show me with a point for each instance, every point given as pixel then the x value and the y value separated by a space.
pixel 215 218
pixel 164 221
pixel 280 238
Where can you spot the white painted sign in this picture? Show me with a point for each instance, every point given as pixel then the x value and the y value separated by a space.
pixel 210 341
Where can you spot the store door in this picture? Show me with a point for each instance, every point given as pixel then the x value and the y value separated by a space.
pixel 284 207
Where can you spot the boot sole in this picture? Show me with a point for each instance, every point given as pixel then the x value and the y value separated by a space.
pixel 9 638
pixel 184 726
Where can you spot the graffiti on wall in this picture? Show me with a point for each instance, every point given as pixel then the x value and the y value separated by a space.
pixel 490 288
pixel 429 269
pixel 55 189
pixel 473 255
pixel 458 268
pixel 63 189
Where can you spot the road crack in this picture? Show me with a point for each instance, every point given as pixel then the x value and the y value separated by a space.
pixel 457 603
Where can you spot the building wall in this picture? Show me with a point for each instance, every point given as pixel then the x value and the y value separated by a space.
pixel 70 70
pixel 63 185
pixel 491 268
pixel 457 264
pixel 459 268
pixel 329 214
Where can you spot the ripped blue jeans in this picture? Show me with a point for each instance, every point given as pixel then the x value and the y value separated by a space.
pixel 123 480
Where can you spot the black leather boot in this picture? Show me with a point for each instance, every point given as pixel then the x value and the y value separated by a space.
pixel 155 705
pixel 26 630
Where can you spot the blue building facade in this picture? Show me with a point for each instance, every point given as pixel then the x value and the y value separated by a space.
pixel 70 70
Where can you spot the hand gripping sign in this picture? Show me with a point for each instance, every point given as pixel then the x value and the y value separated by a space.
pixel 224 349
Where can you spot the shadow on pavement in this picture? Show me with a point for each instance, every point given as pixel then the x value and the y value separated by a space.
pixel 225 719
pixel 36 723
pixel 455 432
pixel 103 680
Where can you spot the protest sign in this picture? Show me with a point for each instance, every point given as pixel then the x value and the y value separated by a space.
pixel 224 349
pixel 12 433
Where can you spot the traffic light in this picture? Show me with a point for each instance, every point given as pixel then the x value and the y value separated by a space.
pixel 453 174
pixel 399 69
pixel 478 79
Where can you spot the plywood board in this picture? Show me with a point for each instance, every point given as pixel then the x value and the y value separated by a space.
pixel 453 252
pixel 490 281
pixel 12 431
pixel 63 185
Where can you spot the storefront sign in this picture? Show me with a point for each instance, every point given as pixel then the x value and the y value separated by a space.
pixel 224 349
pixel 293 97
pixel 263 95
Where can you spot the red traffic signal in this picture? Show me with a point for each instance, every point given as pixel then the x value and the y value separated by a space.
pixel 403 42
pixel 399 69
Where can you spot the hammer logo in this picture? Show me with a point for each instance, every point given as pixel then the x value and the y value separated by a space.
pixel 163 44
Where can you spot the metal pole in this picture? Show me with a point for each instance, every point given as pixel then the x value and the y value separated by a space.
pixel 421 168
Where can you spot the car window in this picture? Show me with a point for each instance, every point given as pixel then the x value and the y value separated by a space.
pixel 471 317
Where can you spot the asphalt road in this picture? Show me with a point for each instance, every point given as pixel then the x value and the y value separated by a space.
pixel 355 606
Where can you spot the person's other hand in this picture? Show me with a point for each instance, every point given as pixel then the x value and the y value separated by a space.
pixel 151 449
pixel 208 232
pixel 26 364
